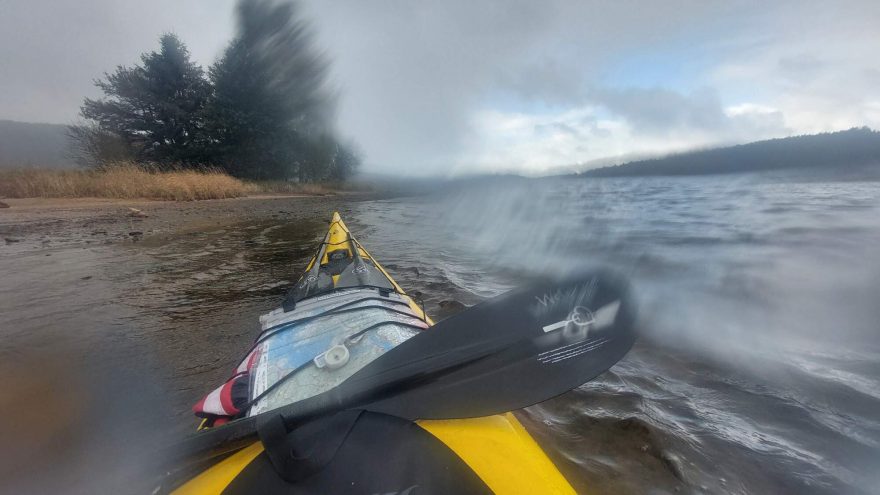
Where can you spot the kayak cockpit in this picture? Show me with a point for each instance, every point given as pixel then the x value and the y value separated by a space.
pixel 344 313
pixel 326 340
pixel 341 262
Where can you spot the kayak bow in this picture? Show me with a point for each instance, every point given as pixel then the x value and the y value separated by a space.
pixel 321 359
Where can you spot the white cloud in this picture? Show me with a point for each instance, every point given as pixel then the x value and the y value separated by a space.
pixel 429 87
pixel 542 143
pixel 749 109
pixel 819 68
pixel 651 122
pixel 789 70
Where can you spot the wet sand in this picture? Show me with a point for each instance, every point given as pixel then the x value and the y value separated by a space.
pixel 81 220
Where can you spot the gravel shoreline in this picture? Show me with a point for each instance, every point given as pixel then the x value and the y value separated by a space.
pixel 39 223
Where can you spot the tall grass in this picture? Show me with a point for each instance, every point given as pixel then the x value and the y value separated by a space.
pixel 123 180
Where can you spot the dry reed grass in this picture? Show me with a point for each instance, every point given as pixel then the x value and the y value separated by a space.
pixel 127 181
pixel 283 187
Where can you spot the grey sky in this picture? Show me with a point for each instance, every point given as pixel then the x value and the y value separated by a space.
pixel 458 86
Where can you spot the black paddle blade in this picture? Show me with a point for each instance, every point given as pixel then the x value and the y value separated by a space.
pixel 510 352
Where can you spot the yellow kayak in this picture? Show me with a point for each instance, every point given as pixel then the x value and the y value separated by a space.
pixel 342 289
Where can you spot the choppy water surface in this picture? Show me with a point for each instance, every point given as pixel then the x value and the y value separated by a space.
pixel 760 302
pixel 759 371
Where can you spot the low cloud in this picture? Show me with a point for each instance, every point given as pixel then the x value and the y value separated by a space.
pixel 50 52
pixel 430 88
pixel 529 91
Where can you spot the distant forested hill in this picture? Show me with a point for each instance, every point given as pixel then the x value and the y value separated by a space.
pixel 34 145
pixel 842 150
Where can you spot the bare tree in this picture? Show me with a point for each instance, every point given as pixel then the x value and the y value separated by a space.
pixel 91 146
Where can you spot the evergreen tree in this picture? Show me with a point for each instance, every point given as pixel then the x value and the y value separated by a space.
pixel 270 108
pixel 346 161
pixel 155 108
pixel 325 158
pixel 263 112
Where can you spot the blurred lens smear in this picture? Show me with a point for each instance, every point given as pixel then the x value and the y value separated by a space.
pixel 462 144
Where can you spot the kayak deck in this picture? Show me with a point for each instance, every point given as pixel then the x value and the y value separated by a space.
pixel 360 324
pixel 342 292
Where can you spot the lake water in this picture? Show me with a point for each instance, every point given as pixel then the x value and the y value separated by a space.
pixel 759 371
pixel 759 295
